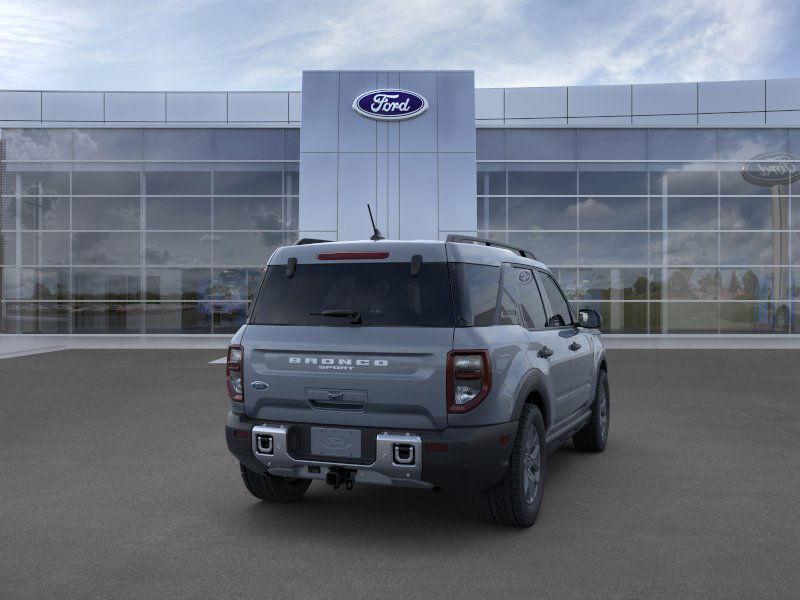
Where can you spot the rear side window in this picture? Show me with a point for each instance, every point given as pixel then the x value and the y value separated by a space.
pixel 475 290
pixel 384 294
pixel 559 306
pixel 530 300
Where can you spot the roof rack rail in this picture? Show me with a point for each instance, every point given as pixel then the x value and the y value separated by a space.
pixel 467 239
pixel 305 241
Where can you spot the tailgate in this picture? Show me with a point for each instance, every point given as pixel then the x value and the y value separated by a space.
pixel 392 377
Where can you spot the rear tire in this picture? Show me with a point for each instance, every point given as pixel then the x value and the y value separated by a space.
pixel 594 435
pixel 270 488
pixel 516 500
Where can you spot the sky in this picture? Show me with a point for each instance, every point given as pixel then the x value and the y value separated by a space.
pixel 262 45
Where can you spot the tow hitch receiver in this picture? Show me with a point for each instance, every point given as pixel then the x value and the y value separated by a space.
pixel 338 476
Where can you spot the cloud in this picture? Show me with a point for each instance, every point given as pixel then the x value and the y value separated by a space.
pixel 206 44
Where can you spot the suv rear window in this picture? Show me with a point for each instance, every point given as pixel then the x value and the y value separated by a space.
pixel 384 294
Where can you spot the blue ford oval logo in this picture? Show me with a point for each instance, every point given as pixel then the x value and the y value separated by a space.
pixel 772 168
pixel 390 105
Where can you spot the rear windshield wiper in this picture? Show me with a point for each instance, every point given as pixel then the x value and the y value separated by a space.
pixel 353 315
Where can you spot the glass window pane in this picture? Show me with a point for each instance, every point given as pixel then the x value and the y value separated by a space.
pixel 107 144
pixel 568 280
pixel 248 213
pixel 291 144
pixel 613 248
pixel 542 213
pixel 682 144
pixel 8 248
pixel 530 300
pixel 235 283
pixel 106 284
pixel 245 248
pixel 683 183
pixel 754 213
pixel 250 182
pixel 178 144
pixel 36 284
pixel 177 317
pixel 755 283
pixel 118 183
pixel 44 212
pixel 550 248
pixel 35 183
pixel 291 214
pixel 749 248
pixel 38 144
pixel 613 182
pixel 48 248
pixel 733 182
pixel 115 248
pixel 692 248
pixel 492 213
pixel 177 183
pixel 172 248
pixel 690 317
pixel 526 181
pixel 105 317
pixel 621 317
pixel 612 144
pixel 8 214
pixel 248 144
pixel 491 179
pixel 656 213
pixel 178 284
pixel 747 317
pixel 490 144
pixel 105 213
pixel 613 284
pixel 612 213
pixel 35 317
pixel 693 284
pixel 560 313
pixel 174 212
pixel 509 311
pixel 692 213
pixel 229 317
pixel 745 144
pixel 291 179
pixel 541 144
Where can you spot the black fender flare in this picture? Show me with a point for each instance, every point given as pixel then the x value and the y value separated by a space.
pixel 534 381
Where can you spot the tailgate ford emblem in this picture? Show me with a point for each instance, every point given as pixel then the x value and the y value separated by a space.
pixel 390 105
pixel 259 385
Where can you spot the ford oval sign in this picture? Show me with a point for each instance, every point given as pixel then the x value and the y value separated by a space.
pixel 390 105
pixel 772 168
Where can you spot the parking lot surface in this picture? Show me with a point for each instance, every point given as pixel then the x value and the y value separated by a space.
pixel 115 482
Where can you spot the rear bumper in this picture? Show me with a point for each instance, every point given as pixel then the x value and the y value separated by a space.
pixel 457 458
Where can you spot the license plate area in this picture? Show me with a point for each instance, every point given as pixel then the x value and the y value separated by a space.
pixel 339 443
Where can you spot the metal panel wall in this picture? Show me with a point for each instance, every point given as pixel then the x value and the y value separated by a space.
pixel 418 174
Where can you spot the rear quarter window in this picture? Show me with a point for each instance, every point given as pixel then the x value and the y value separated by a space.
pixel 475 291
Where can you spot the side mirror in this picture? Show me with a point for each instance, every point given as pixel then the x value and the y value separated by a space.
pixel 590 319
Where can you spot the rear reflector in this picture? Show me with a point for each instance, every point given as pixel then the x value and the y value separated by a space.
pixel 242 433
pixel 505 440
pixel 435 447
pixel 352 255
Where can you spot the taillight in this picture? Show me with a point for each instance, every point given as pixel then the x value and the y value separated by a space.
pixel 234 372
pixel 469 378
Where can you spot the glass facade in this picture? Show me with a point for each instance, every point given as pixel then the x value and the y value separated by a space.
pixel 656 229
pixel 141 230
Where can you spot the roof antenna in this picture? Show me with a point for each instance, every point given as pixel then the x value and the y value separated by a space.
pixel 376 234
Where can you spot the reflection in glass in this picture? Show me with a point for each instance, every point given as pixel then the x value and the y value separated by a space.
pixel 692 213
pixel 674 180
pixel 620 317
pixel 107 317
pixel 491 144
pixel 117 183
pixel 250 182
pixel 235 283
pixel 178 144
pixel 36 284
pixel 174 212
pixel 692 248
pixel 105 213
pixel 613 182
pixel 177 183
pixel 178 248
pixel 44 212
pixel 542 213
pixel 178 317
pixel 492 213
pixel 178 284
pixel 754 213
pixel 229 317
pixel 522 182
pixel 36 317
pixel 682 144
pixel 747 317
pixel 105 248
pixel 613 249
pixel 550 248
pixel 491 179
pixel 36 183
pixel 245 248
pixel 248 144
pixel 613 284
pixel 248 213
pixel 690 317
pixel 612 144
pixel 612 213
pixel 107 144
pixel 755 248
pixel 44 248
pixel 106 284
pixel 541 144
pixel 693 284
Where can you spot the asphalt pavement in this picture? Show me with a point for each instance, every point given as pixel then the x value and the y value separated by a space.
pixel 115 482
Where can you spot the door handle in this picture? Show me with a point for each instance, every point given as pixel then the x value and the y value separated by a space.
pixel 545 352
pixel 574 346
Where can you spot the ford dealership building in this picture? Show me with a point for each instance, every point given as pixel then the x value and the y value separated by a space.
pixel 669 208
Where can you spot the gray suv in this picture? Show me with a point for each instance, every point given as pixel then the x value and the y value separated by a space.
pixel 425 364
